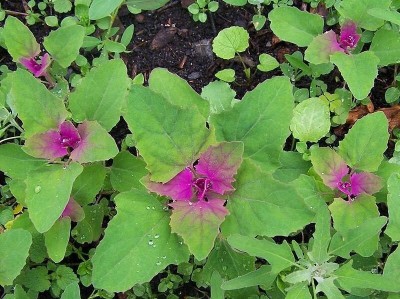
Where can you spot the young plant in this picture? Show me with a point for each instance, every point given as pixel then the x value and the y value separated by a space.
pixel 200 8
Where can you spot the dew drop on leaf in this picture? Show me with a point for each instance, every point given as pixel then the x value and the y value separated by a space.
pixel 156 236
pixel 37 189
pixel 224 268
pixel 158 263
pixel 147 208
pixel 151 242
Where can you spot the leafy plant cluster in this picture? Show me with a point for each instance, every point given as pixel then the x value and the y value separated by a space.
pixel 201 192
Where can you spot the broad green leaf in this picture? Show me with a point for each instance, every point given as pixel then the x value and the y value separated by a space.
pixel 64 43
pixel 215 284
pixel 176 90
pixel 262 276
pixel 90 228
pixel 328 287
pixel 267 63
pixel 261 120
pixel 65 276
pixel 56 239
pixel 19 293
pixel 299 291
pixel 322 236
pixel 46 198
pixel 358 70
pixel 350 214
pixel 275 208
pixel 88 183
pixel 392 269
pixel 146 4
pixel 178 135
pixel 19 39
pixel 35 279
pixel 220 96
pixel 95 145
pixel 295 26
pixel 349 278
pixel 226 75
pixel 292 166
pixel 102 8
pixel 137 245
pixel 321 47
pixel 15 163
pixel 362 239
pixel 385 170
pixel 198 224
pixel 363 148
pixel 385 14
pixel 14 248
pixel 230 41
pixel 126 172
pixel 311 120
pixel 71 292
pixel 37 107
pixel 393 203
pixel 280 256
pixel 97 97
pixel 386 46
pixel 357 11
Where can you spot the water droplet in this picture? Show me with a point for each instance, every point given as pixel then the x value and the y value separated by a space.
pixel 153 208
pixel 164 257
pixel 190 203
pixel 147 208
pixel 224 268
pixel 151 242
pixel 156 236
pixel 154 246
pixel 158 263
pixel 37 189
pixel 180 242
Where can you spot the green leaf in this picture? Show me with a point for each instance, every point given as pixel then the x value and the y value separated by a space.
pixel 45 198
pixel 275 208
pixel 298 291
pixel 311 120
pixel 103 8
pixel 126 37
pixel 126 172
pixel 71 292
pixel 321 47
pixel 219 95
pixel 65 276
pixel 226 75
pixel 15 163
pixel 146 4
pixel 267 63
pixel 385 14
pixel 230 41
pixel 97 97
pixel 295 26
pixel 349 278
pixel 363 239
pixel 292 166
pixel 36 279
pixel 358 70
pixel 322 236
pixel 328 287
pixel 113 46
pixel 215 284
pixel 236 2
pixel 357 11
pixel 88 183
pixel 261 120
pixel 392 269
pixel 19 39
pixel 351 214
pixel 37 107
pixel 62 6
pixel 386 46
pixel 90 228
pixel 56 239
pixel 137 245
pixel 280 256
pixel 176 90
pixel 261 276
pixel 64 43
pixel 393 202
pixel 51 21
pixel 178 134
pixel 363 148
pixel 14 249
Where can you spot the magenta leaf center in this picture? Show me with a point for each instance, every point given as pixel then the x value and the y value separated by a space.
pixel 202 185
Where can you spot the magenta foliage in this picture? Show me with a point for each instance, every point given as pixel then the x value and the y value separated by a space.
pixel 348 36
pixel 73 210
pixel 36 68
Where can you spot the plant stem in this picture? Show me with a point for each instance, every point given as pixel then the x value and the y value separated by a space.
pixel 9 138
pixel 15 13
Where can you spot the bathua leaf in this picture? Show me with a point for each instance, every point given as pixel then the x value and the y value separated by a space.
pixel 89 183
pixel 220 96
pixel 298 291
pixel 393 202
pixel 261 121
pixel 56 239
pixel 386 46
pixel 90 228
pixel 262 276
pixel 48 190
pixel 275 208
pixel 71 291
pixel 322 236
pixel 176 90
pixel 321 47
pixel 37 107
pixel 98 98
pixel 358 70
pixel 102 8
pixel 295 26
pixel 14 249
pixel 363 148
pixel 64 43
pixel 178 134
pixel 137 245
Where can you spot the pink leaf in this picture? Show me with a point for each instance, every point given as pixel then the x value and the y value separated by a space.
pixel 73 210
pixel 349 36
pixel 37 69
pixel 69 135
pixel 365 182
pixel 179 188
pixel 219 164
pixel 45 145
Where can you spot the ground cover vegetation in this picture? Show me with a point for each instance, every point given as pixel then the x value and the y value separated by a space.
pixel 199 149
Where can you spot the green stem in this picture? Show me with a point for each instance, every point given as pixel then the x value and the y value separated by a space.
pixel 14 123
pixel 9 138
pixel 313 287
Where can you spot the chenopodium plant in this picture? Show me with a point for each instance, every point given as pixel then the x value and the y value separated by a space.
pixel 213 169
